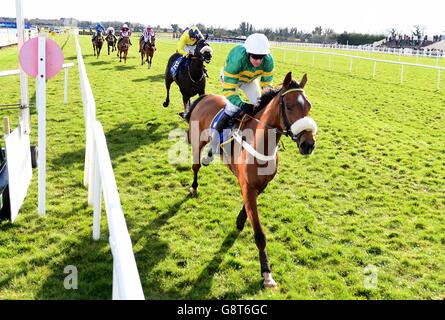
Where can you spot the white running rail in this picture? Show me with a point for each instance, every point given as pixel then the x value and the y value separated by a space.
pixel 99 176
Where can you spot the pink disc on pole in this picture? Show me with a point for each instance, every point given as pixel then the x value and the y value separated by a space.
pixel 28 57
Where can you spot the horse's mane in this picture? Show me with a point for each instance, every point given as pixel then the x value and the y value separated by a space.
pixel 269 95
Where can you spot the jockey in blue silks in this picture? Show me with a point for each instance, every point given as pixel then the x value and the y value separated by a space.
pixel 99 28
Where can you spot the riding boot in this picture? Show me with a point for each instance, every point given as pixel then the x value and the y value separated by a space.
pixel 214 142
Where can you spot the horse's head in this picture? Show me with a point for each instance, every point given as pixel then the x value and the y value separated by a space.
pixel 294 111
pixel 203 51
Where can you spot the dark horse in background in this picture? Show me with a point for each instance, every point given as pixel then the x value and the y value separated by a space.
pixel 122 48
pixel 147 50
pixel 191 80
pixel 97 44
pixel 255 162
pixel 111 41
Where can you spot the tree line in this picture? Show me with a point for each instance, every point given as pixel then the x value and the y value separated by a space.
pixel 292 34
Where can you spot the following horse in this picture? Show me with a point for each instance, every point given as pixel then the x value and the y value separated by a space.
pixel 111 41
pixel 191 79
pixel 97 44
pixel 147 50
pixel 253 157
pixel 122 48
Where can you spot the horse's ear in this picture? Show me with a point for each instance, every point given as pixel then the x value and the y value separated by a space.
pixel 206 37
pixel 287 79
pixel 303 81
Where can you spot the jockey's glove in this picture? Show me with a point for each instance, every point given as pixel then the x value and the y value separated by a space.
pixel 248 108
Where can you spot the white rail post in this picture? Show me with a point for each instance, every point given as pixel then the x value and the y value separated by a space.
pixel 350 65
pixel 65 95
pixel 375 67
pixel 41 110
pixel 115 282
pixel 24 98
pixel 97 191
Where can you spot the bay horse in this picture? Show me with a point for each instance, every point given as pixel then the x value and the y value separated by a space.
pixel 122 48
pixel 254 163
pixel 191 80
pixel 111 41
pixel 147 50
pixel 97 44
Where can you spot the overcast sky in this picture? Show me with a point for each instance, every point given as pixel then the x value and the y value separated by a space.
pixel 376 16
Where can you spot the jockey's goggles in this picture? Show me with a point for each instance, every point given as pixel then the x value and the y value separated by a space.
pixel 257 56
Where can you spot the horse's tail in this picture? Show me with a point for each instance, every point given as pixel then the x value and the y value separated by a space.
pixel 194 105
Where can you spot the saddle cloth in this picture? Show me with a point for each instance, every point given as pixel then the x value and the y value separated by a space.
pixel 227 132
pixel 179 64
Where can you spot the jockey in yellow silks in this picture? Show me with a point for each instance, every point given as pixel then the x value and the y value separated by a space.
pixel 187 41
pixel 186 46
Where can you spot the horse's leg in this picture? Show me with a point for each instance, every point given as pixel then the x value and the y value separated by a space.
pixel 242 215
pixel 186 102
pixel 250 204
pixel 168 83
pixel 142 58
pixel 197 146
pixel 241 219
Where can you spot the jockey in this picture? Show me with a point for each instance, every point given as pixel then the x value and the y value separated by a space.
pixel 99 28
pixel 248 67
pixel 124 32
pixel 147 36
pixel 186 46
pixel 188 40
pixel 110 31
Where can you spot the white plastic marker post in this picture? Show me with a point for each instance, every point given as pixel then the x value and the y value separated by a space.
pixel 41 110
pixel 24 98
pixel 42 59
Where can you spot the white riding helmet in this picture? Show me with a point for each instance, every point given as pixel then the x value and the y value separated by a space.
pixel 257 43
pixel 125 26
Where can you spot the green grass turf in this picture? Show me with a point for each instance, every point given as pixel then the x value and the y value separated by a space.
pixel 371 194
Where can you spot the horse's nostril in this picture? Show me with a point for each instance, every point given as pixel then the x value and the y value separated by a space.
pixel 307 148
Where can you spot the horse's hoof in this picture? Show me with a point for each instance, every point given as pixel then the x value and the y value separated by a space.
pixel 165 104
pixel 193 191
pixel 269 282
